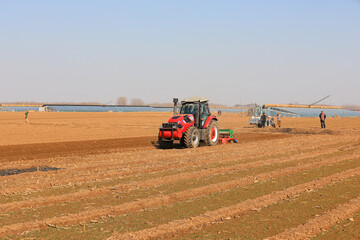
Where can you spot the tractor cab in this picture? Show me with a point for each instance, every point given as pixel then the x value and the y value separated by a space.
pixel 199 108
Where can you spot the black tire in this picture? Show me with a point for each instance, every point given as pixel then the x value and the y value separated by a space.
pixel 191 137
pixel 182 141
pixel 212 134
pixel 165 144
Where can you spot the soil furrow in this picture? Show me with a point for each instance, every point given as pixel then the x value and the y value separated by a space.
pixel 321 223
pixel 108 164
pixel 195 223
pixel 32 152
pixel 46 150
pixel 61 179
pixel 166 180
pixel 175 197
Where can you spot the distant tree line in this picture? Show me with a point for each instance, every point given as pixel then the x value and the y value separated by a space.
pixel 352 107
pixel 121 101
pixel 250 105
pixel 133 101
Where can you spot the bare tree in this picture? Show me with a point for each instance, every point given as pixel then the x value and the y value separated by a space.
pixel 121 101
pixel 137 101
pixel 352 107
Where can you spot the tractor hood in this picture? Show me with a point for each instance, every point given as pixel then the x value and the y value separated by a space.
pixel 182 119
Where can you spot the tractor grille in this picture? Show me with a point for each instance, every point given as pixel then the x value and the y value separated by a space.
pixel 172 127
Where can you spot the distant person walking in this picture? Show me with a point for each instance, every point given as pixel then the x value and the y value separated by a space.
pixel 27 117
pixel 322 117
pixel 263 120
pixel 278 117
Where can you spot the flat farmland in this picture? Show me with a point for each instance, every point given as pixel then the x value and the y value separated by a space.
pixel 101 176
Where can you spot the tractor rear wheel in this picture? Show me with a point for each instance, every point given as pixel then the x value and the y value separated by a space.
pixel 192 137
pixel 212 134
pixel 165 144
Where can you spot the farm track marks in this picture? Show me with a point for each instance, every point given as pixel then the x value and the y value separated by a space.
pixel 36 151
pixel 195 223
pixel 106 163
pixel 134 168
pixel 40 181
pixel 78 175
pixel 321 223
pixel 161 200
pixel 349 228
pixel 93 193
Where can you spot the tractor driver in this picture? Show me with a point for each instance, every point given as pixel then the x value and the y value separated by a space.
pixel 204 113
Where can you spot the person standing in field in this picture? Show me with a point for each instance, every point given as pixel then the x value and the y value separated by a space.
pixel 263 120
pixel 27 117
pixel 278 117
pixel 322 117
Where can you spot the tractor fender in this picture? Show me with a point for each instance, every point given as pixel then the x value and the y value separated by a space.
pixel 208 120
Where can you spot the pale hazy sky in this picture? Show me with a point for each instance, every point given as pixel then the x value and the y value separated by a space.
pixel 232 51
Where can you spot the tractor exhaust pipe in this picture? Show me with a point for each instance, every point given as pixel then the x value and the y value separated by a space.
pixel 175 101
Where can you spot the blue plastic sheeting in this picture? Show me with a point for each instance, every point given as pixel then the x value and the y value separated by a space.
pixel 20 109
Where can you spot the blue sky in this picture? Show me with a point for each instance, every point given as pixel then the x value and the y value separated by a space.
pixel 230 51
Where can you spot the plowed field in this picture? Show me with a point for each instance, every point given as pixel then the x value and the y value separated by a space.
pixel 101 176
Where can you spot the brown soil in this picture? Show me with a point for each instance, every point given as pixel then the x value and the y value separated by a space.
pixel 59 149
pixel 167 230
pixel 110 174
pixel 77 196
pixel 323 222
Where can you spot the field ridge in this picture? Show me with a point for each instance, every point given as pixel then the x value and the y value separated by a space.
pixel 198 221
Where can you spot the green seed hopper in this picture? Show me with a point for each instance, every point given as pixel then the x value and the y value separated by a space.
pixel 227 135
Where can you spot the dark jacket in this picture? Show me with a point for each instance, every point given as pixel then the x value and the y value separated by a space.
pixel 263 118
pixel 324 116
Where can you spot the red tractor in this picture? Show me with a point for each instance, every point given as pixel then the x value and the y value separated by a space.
pixel 194 124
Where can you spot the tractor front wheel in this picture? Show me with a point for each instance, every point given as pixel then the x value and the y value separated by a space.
pixel 212 134
pixel 192 137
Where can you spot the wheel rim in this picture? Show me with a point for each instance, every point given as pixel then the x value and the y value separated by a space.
pixel 195 138
pixel 214 134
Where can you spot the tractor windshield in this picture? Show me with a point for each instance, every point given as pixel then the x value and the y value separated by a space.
pixel 188 108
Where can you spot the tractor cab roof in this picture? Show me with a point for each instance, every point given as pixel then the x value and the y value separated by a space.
pixel 195 99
